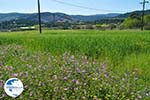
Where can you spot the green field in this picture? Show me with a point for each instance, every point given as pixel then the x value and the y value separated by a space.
pixel 77 64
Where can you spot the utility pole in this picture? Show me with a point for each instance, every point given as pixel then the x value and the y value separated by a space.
pixel 143 12
pixel 39 13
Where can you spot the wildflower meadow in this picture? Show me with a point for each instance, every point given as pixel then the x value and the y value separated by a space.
pixel 77 65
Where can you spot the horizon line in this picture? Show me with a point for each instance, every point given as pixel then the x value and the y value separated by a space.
pixel 70 14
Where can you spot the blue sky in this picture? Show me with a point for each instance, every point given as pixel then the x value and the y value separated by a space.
pixel 30 6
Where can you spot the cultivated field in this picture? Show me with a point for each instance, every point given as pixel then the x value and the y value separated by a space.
pixel 77 64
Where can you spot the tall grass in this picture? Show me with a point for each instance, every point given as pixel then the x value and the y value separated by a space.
pixel 112 45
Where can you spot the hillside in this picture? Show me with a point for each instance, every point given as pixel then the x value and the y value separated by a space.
pixel 47 17
pixel 50 17
pixel 94 17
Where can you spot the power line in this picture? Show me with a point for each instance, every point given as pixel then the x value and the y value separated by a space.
pixel 84 7
pixel 143 11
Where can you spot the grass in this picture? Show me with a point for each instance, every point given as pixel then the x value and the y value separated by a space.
pixel 114 65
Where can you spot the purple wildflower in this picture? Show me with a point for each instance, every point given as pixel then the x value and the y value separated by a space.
pixel 103 65
pixel 31 94
pixel 77 82
pixel 140 97
pixel 15 74
pixel 65 78
pixel 78 70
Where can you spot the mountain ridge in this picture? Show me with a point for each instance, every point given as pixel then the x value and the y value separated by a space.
pixel 47 17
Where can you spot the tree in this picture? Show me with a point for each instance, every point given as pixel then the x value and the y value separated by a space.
pixel 147 22
pixel 132 22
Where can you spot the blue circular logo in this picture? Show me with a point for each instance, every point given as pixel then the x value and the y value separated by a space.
pixel 13 87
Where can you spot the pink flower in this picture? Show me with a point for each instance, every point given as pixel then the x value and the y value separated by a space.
pixel 65 78
pixel 31 93
pixel 15 74
pixel 139 97
pixel 77 82
pixel 103 65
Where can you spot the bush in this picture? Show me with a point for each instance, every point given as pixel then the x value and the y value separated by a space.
pixel 131 23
